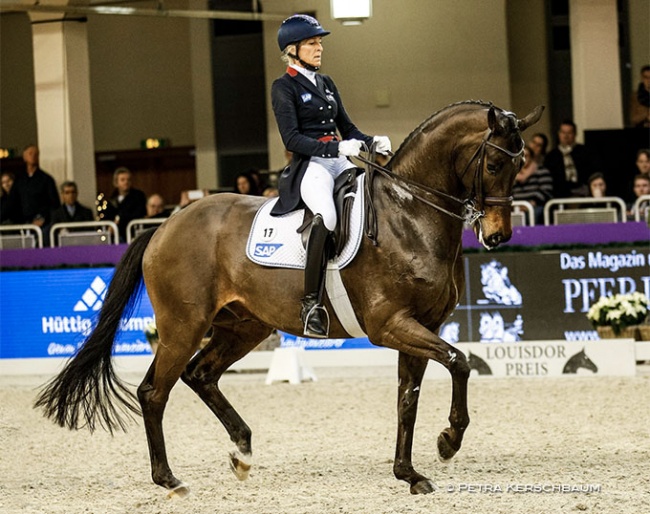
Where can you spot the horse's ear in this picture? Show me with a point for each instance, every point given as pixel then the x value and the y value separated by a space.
pixel 492 119
pixel 531 118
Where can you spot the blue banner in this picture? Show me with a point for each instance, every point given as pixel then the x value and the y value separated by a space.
pixel 49 313
pixel 291 341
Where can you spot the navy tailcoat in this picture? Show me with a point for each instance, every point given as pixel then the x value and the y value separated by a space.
pixel 308 118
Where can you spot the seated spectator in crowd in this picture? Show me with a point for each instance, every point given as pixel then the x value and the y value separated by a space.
pixel 70 210
pixel 643 161
pixel 127 203
pixel 533 184
pixel 156 207
pixel 35 190
pixel 641 188
pixel 538 143
pixel 9 207
pixel 245 184
pixel 642 167
pixel 640 108
pixel 569 163
pixel 271 192
pixel 597 185
pixel 188 197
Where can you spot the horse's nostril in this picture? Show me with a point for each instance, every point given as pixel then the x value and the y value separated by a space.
pixel 495 239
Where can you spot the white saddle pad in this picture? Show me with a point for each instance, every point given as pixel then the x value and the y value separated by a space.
pixel 274 240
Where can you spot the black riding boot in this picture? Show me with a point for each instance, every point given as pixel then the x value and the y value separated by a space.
pixel 314 316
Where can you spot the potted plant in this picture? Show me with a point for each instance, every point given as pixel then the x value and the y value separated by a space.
pixel 620 315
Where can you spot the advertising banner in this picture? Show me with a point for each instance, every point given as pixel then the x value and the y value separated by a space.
pixel 49 313
pixel 511 297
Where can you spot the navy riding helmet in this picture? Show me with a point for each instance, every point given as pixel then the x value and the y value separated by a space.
pixel 297 28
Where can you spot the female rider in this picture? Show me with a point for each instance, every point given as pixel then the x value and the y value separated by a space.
pixel 309 112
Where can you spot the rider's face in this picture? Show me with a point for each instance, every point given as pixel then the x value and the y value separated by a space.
pixel 311 51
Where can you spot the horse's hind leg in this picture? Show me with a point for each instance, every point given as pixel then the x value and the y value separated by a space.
pixel 153 393
pixel 229 343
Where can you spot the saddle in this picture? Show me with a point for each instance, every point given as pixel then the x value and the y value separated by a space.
pixel 345 190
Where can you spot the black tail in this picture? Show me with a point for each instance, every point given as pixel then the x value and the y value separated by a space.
pixel 88 386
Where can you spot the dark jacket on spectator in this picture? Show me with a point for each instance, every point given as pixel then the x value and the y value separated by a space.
pixel 9 209
pixel 81 213
pixel 37 195
pixel 554 161
pixel 133 206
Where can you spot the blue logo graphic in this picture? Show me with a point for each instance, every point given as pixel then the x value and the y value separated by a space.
pixel 266 249
pixel 306 97
pixel 49 313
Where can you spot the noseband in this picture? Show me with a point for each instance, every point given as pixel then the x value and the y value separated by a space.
pixel 471 213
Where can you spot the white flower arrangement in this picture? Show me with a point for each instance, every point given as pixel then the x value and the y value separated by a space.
pixel 619 311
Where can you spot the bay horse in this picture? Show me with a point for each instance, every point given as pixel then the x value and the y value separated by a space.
pixel 459 165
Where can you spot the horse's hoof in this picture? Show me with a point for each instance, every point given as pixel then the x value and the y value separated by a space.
pixel 180 491
pixel 445 450
pixel 240 464
pixel 423 487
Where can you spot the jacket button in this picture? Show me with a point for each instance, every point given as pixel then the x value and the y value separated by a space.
pixel 320 108
pixel 329 106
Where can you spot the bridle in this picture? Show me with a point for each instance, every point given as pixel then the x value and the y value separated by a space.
pixel 471 214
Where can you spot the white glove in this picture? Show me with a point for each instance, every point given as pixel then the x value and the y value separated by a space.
pixel 350 148
pixel 382 145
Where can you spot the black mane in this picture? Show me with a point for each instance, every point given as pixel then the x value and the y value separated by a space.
pixel 436 117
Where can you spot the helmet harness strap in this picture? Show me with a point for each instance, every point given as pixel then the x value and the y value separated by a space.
pixel 297 58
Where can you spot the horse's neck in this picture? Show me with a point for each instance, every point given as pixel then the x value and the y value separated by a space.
pixel 413 223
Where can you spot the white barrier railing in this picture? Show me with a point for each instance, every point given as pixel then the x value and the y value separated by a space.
pixel 20 236
pixel 135 227
pixel 612 210
pixel 641 208
pixel 523 214
pixel 84 233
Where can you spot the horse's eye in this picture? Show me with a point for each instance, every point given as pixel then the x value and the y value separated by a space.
pixel 492 168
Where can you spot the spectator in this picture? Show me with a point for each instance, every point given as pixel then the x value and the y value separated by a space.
pixel 569 164
pixel 597 185
pixel 538 143
pixel 271 192
pixel 127 202
pixel 260 182
pixel 187 198
pixel 70 210
pixel 640 108
pixel 35 190
pixel 533 184
pixel 641 187
pixel 643 168
pixel 245 184
pixel 156 207
pixel 643 161
pixel 10 209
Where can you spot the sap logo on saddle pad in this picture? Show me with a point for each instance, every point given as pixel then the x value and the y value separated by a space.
pixel 265 249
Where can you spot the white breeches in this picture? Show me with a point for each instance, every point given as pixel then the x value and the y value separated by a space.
pixel 317 186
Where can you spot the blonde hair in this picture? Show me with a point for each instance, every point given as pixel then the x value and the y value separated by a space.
pixel 286 59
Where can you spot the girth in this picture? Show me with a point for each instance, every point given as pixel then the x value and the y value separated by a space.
pixel 345 189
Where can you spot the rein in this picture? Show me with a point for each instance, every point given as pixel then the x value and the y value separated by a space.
pixel 471 213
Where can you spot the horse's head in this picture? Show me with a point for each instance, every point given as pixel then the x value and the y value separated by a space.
pixel 495 163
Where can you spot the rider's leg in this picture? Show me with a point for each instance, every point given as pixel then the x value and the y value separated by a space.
pixel 316 191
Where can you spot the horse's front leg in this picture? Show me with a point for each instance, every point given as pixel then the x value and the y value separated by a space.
pixel 416 344
pixel 411 370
